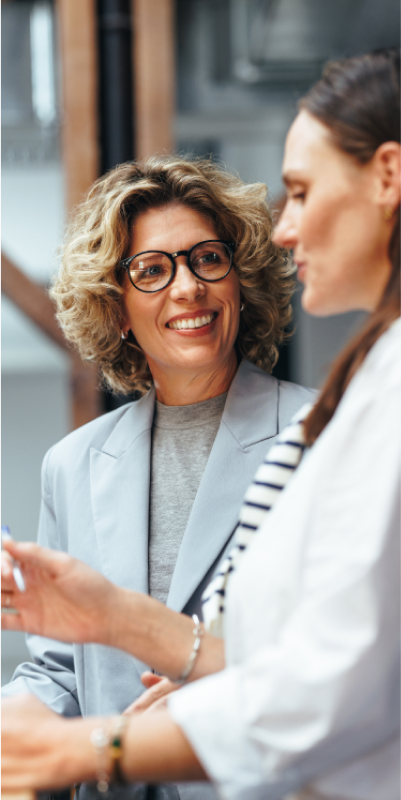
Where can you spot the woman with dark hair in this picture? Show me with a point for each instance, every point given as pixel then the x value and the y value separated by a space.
pixel 307 700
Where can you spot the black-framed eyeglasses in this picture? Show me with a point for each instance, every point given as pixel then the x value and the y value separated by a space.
pixel 153 270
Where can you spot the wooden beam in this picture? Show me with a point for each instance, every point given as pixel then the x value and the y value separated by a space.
pixel 87 399
pixel 80 154
pixel 34 301
pixel 79 128
pixel 154 76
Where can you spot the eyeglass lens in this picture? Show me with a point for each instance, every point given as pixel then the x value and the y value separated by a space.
pixel 152 271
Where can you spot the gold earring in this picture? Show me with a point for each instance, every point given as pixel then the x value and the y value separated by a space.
pixel 388 213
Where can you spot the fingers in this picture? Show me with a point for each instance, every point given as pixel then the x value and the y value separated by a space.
pixel 11 572
pixel 153 695
pixel 5 566
pixel 11 621
pixel 150 679
pixel 29 553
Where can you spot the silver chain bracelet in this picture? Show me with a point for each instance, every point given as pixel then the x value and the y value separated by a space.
pixel 198 633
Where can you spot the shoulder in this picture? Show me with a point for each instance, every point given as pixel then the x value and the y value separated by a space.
pixel 94 433
pixel 381 367
pixel 110 432
pixel 292 397
pixel 259 406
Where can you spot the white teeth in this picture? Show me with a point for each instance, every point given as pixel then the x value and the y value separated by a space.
pixel 186 324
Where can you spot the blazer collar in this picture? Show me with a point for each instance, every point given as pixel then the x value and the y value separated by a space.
pixel 120 476
pixel 250 391
pixel 137 419
pixel 250 417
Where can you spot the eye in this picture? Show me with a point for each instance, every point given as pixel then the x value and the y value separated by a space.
pixel 148 273
pixel 208 258
pixel 298 194
pixel 150 269
pixel 157 269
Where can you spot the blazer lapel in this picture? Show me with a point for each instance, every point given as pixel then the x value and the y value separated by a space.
pixel 250 418
pixel 120 474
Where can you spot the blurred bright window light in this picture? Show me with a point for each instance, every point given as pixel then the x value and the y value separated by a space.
pixel 42 63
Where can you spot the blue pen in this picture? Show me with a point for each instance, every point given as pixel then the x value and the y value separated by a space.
pixel 18 577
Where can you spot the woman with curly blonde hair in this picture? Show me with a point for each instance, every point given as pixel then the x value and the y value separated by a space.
pixel 171 283
pixel 90 286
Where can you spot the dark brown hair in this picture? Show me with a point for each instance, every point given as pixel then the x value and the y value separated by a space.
pixel 358 99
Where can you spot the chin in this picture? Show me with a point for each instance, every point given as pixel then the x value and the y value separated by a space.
pixel 198 359
pixel 320 306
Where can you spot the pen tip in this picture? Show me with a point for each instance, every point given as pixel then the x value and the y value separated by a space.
pixel 5 533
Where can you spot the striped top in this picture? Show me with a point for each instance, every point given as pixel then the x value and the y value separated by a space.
pixel 271 477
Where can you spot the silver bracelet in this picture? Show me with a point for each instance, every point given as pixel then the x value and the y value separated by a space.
pixel 198 633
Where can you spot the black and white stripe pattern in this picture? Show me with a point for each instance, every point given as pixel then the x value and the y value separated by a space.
pixel 271 477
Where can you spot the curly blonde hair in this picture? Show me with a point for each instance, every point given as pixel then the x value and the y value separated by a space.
pixel 88 290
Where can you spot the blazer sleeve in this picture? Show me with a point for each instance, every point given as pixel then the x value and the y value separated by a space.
pixel 50 675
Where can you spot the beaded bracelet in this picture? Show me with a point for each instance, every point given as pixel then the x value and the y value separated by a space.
pixel 116 749
pixel 198 633
pixel 108 749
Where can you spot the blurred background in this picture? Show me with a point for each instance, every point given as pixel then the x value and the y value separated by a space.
pixel 88 84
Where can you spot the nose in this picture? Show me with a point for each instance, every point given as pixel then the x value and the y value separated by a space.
pixel 285 233
pixel 186 286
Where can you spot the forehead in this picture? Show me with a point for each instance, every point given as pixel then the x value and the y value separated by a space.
pixel 171 227
pixel 308 147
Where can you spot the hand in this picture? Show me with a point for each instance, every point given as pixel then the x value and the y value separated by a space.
pixel 31 735
pixel 155 698
pixel 41 750
pixel 64 598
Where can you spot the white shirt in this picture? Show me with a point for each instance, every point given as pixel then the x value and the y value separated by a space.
pixel 309 700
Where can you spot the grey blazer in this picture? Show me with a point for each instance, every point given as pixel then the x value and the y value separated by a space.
pixel 95 505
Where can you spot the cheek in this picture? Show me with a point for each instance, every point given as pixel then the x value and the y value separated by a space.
pixel 140 317
pixel 317 228
pixel 234 303
pixel 233 292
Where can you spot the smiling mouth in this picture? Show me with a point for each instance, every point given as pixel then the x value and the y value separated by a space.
pixel 191 324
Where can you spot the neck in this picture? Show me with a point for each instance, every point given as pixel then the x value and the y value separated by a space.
pixel 186 388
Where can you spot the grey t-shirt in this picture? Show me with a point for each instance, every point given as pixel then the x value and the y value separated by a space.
pixel 182 438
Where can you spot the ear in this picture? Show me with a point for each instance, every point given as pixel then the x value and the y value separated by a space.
pixel 387 170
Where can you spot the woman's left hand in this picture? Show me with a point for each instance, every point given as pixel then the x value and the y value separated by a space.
pixel 155 698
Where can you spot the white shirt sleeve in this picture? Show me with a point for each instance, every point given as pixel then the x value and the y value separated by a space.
pixel 321 693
